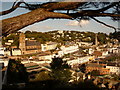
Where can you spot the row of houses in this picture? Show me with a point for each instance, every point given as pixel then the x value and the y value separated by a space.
pixel 80 60
pixel 103 68
pixel 28 46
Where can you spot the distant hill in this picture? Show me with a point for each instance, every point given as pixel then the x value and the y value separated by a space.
pixel 60 36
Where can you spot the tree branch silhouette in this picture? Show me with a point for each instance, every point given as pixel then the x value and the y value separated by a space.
pixel 47 10
pixel 105 24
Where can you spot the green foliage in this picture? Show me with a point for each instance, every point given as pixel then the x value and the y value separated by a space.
pixel 41 76
pixel 39 36
pixel 16 72
pixel 58 63
pixel 61 37
pixel 95 73
pixel 102 38
pixel 63 75
pixel 115 35
pixel 60 70
pixel 82 68
pixel 13 37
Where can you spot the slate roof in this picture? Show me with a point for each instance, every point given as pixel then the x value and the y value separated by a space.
pixel 32 43
pixel 94 65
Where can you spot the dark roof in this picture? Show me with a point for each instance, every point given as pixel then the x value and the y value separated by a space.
pixel 16 49
pixel 113 64
pixel 94 65
pixel 97 53
pixel 32 43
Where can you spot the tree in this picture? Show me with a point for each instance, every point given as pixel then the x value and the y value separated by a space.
pixel 115 35
pixel 74 11
pixel 102 38
pixel 58 63
pixel 16 72
pixel 82 68
pixel 61 71
pixel 95 73
pixel 27 32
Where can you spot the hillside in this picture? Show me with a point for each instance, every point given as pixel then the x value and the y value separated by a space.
pixel 59 36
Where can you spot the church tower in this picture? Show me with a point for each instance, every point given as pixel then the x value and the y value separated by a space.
pixel 22 43
pixel 96 40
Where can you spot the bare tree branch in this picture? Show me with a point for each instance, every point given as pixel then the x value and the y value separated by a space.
pixel 14 7
pixel 10 10
pixel 92 13
pixel 16 23
pixel 108 7
pixel 105 24
pixel 46 11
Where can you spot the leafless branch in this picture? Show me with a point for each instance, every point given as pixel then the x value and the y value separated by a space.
pixel 105 24
pixel 14 7
pixel 46 11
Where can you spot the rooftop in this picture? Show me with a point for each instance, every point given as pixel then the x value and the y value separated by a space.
pixel 32 43
pixel 95 65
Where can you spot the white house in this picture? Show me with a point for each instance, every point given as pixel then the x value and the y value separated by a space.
pixel 90 51
pixel 60 53
pixel 114 69
pixel 10 41
pixel 2 50
pixel 80 60
pixel 7 43
pixel 43 47
pixel 69 49
pixel 60 31
pixel 104 53
pixel 16 51
pixel 48 46
pixel 84 44
pixel 46 57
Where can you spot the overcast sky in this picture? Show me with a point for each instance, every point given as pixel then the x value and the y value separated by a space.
pixel 61 24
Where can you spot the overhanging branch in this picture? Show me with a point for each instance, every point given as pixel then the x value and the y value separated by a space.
pixel 46 11
pixel 105 24
pixel 14 7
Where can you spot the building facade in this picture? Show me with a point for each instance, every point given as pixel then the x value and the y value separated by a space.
pixel 114 69
pixel 100 67
pixel 49 46
pixel 28 46
pixel 69 49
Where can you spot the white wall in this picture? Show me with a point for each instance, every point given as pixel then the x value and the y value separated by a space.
pixel 104 53
pixel 60 53
pixel 43 47
pixel 114 69
pixel 69 49
pixel 2 51
pixel 16 52
pixel 80 60
pixel 46 57
pixel 46 47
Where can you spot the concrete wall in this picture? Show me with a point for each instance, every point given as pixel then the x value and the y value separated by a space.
pixel 16 52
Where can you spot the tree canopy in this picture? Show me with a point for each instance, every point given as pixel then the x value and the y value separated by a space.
pixel 52 10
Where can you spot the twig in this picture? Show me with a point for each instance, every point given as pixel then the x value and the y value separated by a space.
pixel 14 7
pixel 105 24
